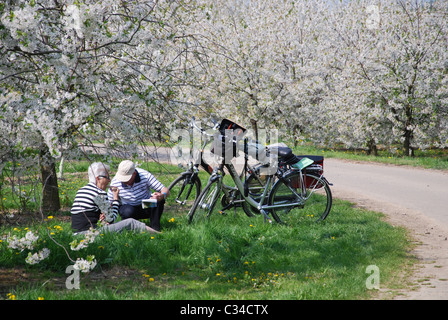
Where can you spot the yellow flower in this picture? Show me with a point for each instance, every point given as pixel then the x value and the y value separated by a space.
pixel 50 217
pixel 151 279
pixel 40 298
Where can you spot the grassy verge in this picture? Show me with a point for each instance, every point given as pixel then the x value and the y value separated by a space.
pixel 228 257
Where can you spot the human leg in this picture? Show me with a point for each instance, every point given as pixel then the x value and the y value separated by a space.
pixel 128 224
pixel 155 214
pixel 136 212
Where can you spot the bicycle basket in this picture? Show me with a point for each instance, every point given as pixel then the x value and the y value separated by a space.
pixel 225 144
pixel 227 126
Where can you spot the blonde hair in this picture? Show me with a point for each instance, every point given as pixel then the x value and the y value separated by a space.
pixel 98 169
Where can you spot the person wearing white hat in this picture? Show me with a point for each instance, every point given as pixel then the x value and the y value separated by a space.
pixel 135 185
pixel 91 205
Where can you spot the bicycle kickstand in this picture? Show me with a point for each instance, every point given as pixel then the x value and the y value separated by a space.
pixel 265 216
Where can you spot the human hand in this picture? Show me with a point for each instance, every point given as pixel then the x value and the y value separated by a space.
pixel 115 192
pixel 158 196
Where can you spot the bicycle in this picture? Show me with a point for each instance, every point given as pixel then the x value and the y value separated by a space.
pixel 187 187
pixel 289 189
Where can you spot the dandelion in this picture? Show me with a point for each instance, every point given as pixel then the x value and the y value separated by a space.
pixel 171 220
pixel 50 217
pixel 11 296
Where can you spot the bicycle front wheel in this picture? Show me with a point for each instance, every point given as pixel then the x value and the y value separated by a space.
pixel 184 190
pixel 298 197
pixel 206 201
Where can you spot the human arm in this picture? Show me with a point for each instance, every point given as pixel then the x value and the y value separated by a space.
pixel 161 195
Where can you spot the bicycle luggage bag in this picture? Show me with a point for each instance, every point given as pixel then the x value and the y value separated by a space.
pixel 317 167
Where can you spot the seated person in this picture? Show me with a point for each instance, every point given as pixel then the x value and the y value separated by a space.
pixel 135 185
pixel 91 205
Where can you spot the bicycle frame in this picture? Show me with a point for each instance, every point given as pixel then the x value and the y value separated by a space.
pixel 259 205
pixel 195 164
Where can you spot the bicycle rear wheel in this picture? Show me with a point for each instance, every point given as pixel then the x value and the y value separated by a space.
pixel 185 190
pixel 310 198
pixel 206 201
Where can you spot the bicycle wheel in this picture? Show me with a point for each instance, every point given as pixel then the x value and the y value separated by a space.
pixel 203 206
pixel 184 190
pixel 311 196
pixel 255 184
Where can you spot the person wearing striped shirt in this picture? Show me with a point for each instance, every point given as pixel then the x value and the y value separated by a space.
pixel 135 185
pixel 91 205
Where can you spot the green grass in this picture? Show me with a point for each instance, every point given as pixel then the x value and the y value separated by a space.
pixel 227 257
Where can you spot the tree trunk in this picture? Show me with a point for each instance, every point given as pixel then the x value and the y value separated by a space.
pixel 407 143
pixel 50 190
pixel 372 148
pixel 255 127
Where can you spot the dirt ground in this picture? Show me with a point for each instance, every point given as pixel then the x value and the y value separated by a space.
pixel 429 276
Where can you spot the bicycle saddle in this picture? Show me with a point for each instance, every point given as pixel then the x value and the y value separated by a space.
pixel 282 152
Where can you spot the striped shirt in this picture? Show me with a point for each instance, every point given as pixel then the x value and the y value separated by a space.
pixel 90 201
pixel 141 189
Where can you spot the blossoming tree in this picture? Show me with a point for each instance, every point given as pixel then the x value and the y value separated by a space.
pixel 389 74
pixel 73 70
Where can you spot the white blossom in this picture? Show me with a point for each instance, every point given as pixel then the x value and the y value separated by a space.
pixel 89 237
pixel 85 265
pixel 38 256
pixel 26 242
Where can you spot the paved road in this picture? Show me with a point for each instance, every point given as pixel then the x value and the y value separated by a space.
pixel 414 198
pixel 425 191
